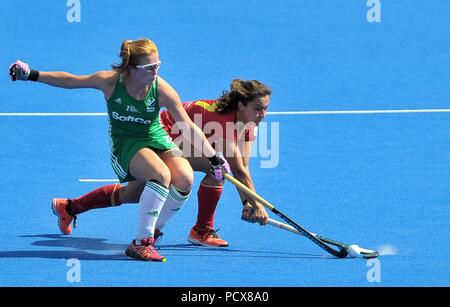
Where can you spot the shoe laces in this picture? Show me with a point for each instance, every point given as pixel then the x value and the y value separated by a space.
pixel 150 249
pixel 213 233
pixel 145 250
pixel 148 244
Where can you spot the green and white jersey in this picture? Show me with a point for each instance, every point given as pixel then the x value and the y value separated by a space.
pixel 133 125
pixel 131 118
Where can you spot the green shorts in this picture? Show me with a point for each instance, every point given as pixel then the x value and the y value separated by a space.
pixel 124 151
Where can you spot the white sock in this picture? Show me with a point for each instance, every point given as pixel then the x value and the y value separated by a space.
pixel 151 203
pixel 172 205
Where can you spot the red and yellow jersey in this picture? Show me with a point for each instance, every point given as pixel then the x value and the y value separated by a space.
pixel 213 124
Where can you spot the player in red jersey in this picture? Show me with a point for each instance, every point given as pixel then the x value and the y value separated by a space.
pixel 230 125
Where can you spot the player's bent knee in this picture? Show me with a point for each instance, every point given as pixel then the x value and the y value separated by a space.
pixel 187 182
pixel 183 181
pixel 184 187
pixel 163 176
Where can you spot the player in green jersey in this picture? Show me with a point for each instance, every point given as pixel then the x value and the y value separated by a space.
pixel 141 151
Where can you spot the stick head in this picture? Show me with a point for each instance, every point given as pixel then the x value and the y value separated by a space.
pixel 354 251
pixel 372 254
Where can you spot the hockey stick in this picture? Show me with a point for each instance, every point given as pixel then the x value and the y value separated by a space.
pixel 341 253
pixel 366 253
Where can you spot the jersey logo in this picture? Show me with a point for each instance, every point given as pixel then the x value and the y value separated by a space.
pixel 208 107
pixel 130 118
pixel 150 104
pixel 132 109
pixel 118 100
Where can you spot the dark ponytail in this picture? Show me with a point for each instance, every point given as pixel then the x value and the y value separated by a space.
pixel 243 91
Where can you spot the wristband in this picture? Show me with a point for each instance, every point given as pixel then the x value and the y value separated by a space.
pixel 34 75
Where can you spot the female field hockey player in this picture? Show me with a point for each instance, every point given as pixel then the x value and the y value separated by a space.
pixel 245 103
pixel 142 153
pixel 230 124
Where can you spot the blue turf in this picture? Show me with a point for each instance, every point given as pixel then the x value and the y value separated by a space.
pixel 371 179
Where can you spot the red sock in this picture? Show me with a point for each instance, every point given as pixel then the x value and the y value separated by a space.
pixel 106 196
pixel 208 198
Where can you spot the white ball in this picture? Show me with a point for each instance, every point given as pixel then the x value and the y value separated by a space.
pixel 354 251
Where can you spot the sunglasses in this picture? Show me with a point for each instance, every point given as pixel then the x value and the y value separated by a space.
pixel 149 67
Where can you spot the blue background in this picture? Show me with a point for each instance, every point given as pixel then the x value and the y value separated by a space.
pixel 373 179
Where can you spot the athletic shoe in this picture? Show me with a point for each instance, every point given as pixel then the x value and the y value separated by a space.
pixel 145 252
pixel 210 238
pixel 59 208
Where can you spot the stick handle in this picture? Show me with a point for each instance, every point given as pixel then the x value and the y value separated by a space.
pixel 366 253
pixel 293 230
pixel 341 253
pixel 283 226
pixel 319 240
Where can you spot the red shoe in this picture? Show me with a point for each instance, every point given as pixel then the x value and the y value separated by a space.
pixel 145 252
pixel 210 238
pixel 59 206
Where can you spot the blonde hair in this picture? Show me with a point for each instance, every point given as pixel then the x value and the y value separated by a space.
pixel 243 91
pixel 130 49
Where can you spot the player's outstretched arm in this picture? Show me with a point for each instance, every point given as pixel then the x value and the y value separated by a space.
pixel 21 71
